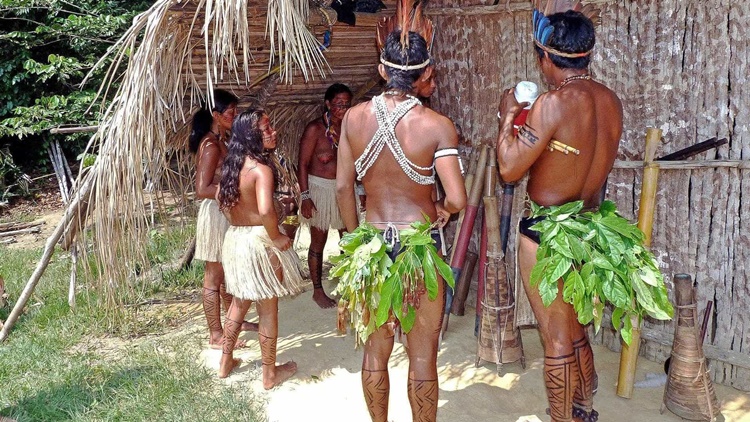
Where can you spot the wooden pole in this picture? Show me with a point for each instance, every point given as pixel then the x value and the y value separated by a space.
pixel 629 354
pixel 463 285
pixel 49 250
pixel 73 276
pixel 467 227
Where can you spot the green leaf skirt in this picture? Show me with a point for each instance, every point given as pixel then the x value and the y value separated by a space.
pixel 373 286
pixel 601 259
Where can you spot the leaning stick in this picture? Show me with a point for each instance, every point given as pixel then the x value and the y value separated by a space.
pixel 629 353
pixel 481 275
pixel 462 292
pixel 49 250
pixel 464 236
pixel 468 182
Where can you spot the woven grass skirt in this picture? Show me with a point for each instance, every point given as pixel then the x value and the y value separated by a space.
pixel 323 194
pixel 210 230
pixel 249 270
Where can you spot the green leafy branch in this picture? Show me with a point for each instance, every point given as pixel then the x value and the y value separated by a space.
pixel 362 268
pixel 369 281
pixel 415 266
pixel 601 259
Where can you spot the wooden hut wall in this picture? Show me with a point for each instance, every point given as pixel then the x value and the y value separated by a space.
pixel 352 58
pixel 680 66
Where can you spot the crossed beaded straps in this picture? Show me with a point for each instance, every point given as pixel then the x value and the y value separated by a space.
pixel 386 135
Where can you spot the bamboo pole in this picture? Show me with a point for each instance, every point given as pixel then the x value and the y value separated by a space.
pixel 467 227
pixel 463 284
pixel 686 164
pixel 629 353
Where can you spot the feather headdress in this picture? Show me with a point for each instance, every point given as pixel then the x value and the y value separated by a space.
pixel 409 18
pixel 543 28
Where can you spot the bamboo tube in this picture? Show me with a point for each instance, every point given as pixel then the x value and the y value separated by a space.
pixel 73 276
pixel 475 194
pixel 468 181
pixel 629 354
pixel 482 273
pixel 464 236
pixel 506 212
pixel 462 286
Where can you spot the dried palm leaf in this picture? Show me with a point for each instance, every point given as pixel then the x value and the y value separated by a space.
pixel 145 121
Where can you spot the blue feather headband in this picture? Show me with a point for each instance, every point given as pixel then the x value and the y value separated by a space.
pixel 543 30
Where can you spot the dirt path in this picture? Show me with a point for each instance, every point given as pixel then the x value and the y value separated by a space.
pixel 327 385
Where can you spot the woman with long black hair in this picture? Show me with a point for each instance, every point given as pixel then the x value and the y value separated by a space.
pixel 258 259
pixel 208 140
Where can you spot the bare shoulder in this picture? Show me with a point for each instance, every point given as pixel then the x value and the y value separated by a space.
pixel 209 143
pixel 610 95
pixel 315 126
pixel 358 110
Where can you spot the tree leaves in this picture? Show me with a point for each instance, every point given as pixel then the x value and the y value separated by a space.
pixel 371 284
pixel 601 259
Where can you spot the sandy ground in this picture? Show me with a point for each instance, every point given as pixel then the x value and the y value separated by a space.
pixel 327 384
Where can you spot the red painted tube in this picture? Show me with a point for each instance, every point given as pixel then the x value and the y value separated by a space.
pixel 464 237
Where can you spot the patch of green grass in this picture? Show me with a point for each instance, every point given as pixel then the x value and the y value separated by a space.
pixel 57 366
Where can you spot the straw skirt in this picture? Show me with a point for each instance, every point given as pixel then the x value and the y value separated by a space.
pixel 323 194
pixel 210 230
pixel 248 269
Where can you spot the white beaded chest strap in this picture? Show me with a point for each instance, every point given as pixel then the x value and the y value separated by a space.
pixel 386 135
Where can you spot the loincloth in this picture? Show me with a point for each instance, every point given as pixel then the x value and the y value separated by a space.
pixel 381 274
pixel 211 225
pixel 323 195
pixel 248 269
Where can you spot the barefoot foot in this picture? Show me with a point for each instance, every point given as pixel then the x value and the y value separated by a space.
pixel 278 374
pixel 227 364
pixel 320 297
pixel 249 326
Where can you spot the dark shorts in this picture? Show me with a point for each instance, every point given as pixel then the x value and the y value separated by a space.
pixel 434 233
pixel 524 226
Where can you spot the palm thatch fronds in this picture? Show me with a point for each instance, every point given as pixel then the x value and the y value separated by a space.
pixel 287 21
pixel 157 92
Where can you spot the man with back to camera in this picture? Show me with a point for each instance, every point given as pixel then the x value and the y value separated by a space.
pixel 578 115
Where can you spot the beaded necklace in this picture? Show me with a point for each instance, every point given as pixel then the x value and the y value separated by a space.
pixel 569 79
pixel 330 131
pixel 386 136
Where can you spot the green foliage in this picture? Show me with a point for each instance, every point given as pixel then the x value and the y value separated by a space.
pixel 370 282
pixel 60 365
pixel 46 49
pixel 362 269
pixel 601 259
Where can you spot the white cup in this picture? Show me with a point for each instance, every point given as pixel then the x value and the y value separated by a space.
pixel 526 92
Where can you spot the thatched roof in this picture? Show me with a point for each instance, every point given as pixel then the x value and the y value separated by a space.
pixel 176 53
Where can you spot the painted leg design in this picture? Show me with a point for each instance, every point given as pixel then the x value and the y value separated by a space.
pixel 213 315
pixel 273 375
pixel 231 333
pixel 560 378
pixel 376 384
pixel 226 298
pixel 583 399
pixel 423 397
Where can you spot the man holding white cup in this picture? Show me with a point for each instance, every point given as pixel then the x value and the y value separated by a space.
pixel 578 115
